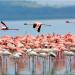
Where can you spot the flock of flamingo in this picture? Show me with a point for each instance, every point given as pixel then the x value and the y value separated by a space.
pixel 51 45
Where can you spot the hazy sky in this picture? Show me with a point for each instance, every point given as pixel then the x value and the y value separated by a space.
pixel 51 3
pixel 54 3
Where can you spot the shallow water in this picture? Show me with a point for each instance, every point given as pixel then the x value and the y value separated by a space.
pixel 40 66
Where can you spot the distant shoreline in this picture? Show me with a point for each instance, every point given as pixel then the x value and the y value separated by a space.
pixel 35 19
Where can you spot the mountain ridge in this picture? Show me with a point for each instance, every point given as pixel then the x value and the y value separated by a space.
pixel 9 12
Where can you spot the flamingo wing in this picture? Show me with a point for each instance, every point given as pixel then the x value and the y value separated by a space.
pixel 4 24
pixel 39 28
pixel 34 25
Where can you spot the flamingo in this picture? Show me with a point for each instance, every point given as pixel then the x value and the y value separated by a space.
pixel 57 46
pixel 69 22
pixel 18 47
pixel 16 56
pixel 5 51
pixel 43 55
pixel 1 52
pixel 37 25
pixel 27 52
pixel 33 54
pixel 4 27
pixel 5 55
pixel 50 53
pixel 69 53
pixel 11 45
pixel 68 42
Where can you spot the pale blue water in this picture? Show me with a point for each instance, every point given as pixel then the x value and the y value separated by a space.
pixel 25 66
pixel 58 26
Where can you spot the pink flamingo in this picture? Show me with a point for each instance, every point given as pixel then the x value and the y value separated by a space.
pixel 37 25
pixel 69 22
pixel 42 45
pixel 4 27
pixel 5 50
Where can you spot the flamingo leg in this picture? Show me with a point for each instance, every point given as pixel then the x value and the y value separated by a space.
pixel 16 72
pixel 29 62
pixel 33 65
pixel 5 64
pixel 49 63
pixel 68 65
pixel 0 65
pixel 44 66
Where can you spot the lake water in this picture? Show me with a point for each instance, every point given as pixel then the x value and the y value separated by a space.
pixel 58 26
pixel 25 66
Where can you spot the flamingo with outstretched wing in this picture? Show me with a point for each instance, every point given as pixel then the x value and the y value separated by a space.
pixel 37 25
pixel 70 21
pixel 5 27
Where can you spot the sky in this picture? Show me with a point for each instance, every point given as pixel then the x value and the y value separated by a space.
pixel 37 9
pixel 51 3
pixel 56 2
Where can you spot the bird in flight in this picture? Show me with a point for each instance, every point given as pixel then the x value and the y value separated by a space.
pixel 3 26
pixel 37 25
pixel 70 22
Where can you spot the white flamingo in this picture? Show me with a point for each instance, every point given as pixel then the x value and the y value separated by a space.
pixel 33 54
pixel 69 54
pixel 16 56
pixel 43 55
pixel 5 55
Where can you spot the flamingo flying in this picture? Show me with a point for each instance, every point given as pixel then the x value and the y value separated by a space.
pixel 69 22
pixel 37 25
pixel 3 26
